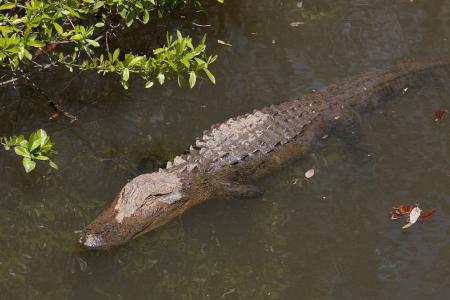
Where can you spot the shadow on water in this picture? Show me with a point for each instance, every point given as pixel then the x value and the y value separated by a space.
pixel 325 238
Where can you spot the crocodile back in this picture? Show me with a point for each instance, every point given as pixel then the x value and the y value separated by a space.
pixel 250 135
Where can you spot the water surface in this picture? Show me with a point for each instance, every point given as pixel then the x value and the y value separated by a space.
pixel 329 237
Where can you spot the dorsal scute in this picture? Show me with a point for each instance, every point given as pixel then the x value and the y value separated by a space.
pixel 247 135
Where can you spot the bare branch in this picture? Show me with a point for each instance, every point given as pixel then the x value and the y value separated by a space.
pixel 15 79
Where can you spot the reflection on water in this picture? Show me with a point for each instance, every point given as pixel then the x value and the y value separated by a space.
pixel 325 238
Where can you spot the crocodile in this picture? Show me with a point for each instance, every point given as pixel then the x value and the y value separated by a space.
pixel 230 156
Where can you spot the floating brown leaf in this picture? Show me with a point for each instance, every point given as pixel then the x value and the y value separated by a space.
pixel 427 214
pixel 412 212
pixel 403 210
pixel 55 116
pixel 439 114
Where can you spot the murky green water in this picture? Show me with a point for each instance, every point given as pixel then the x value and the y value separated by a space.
pixel 326 238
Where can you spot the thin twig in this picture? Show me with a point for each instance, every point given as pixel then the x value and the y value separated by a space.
pixel 13 80
pixel 201 25
pixel 70 82
pixel 55 105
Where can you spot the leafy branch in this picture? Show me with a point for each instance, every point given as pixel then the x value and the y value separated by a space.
pixel 37 147
pixel 75 34
pixel 30 28
pixel 179 57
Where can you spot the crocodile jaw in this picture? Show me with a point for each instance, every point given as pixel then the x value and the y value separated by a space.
pixel 143 204
pixel 110 229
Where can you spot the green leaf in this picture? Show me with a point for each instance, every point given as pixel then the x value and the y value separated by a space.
pixel 161 78
pixel 99 24
pixel 93 42
pixel 185 62
pixel 21 141
pixel 34 142
pixel 27 54
pixel 58 28
pixel 135 60
pixel 125 74
pixel 41 157
pixel 116 54
pixel 28 164
pixel 71 11
pixel 129 21
pixel 7 6
pixel 210 76
pixel 146 17
pixel 22 151
pixel 148 84
pixel 180 80
pixel 37 44
pixel 98 5
pixel 76 37
pixel 192 79
pixel 43 137
pixel 53 165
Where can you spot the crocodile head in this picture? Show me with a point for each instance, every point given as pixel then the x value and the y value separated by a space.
pixel 144 203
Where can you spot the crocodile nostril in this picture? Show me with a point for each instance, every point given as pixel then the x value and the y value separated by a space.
pixel 91 241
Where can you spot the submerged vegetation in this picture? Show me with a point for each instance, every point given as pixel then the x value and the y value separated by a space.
pixel 38 35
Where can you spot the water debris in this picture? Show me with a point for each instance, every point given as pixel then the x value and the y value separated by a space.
pixel 55 116
pixel 201 25
pixel 310 173
pixel 405 90
pixel 230 291
pixel 412 212
pixel 413 217
pixel 82 263
pixel 439 114
pixel 224 43
pixel 296 24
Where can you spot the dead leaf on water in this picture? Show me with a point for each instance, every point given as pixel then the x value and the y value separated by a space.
pixel 439 114
pixel 55 116
pixel 427 214
pixel 296 24
pixel 309 173
pixel 413 217
pixel 412 213
pixel 224 43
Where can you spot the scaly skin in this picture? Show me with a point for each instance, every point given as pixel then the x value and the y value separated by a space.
pixel 238 151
